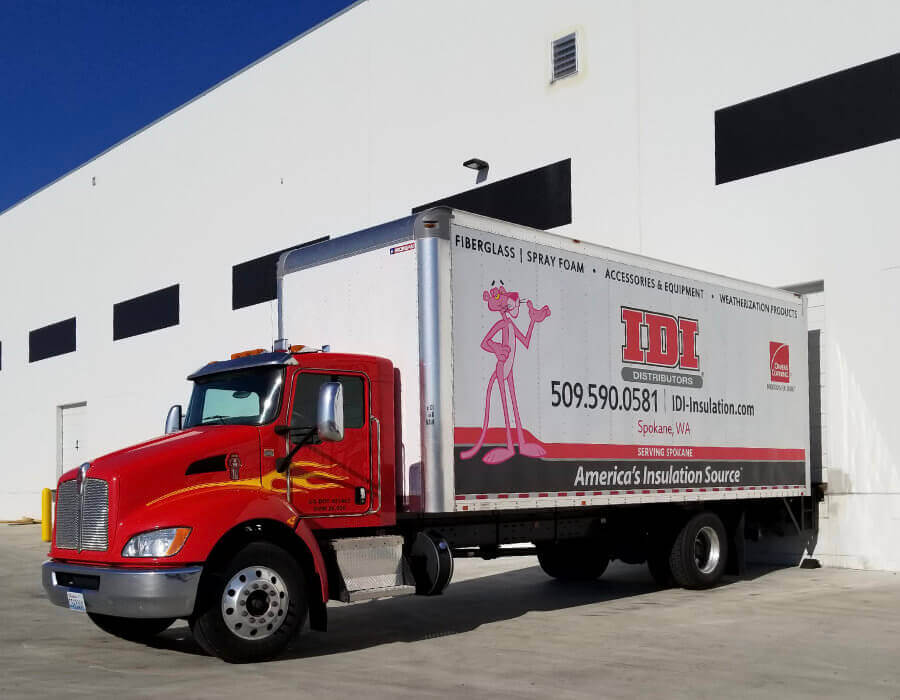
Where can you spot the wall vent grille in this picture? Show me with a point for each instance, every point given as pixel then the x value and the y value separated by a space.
pixel 565 57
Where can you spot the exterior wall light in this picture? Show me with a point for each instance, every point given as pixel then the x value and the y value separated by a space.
pixel 480 166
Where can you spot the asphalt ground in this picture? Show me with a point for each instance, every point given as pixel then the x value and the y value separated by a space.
pixel 502 629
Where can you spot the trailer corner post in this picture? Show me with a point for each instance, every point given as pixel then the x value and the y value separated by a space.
pixel 432 233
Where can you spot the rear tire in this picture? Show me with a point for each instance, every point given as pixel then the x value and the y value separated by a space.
pixel 131 628
pixel 700 552
pixel 572 561
pixel 252 608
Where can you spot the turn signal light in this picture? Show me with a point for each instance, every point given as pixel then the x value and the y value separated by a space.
pixel 246 353
pixel 296 348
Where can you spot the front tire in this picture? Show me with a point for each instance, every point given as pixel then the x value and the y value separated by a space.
pixel 131 628
pixel 572 560
pixel 252 608
pixel 700 552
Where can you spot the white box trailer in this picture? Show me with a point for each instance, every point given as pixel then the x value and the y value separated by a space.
pixel 540 371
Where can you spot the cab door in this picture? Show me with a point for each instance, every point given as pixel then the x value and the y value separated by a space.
pixel 332 478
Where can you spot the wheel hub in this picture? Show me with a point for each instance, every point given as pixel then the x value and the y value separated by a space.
pixel 707 550
pixel 255 602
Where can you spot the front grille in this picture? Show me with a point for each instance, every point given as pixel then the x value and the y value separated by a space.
pixel 68 515
pixel 82 520
pixel 95 515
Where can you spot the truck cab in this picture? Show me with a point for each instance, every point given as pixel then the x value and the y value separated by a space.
pixel 274 450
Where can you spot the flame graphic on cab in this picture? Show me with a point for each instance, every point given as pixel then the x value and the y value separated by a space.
pixel 313 477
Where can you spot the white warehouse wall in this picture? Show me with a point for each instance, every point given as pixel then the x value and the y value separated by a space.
pixel 373 112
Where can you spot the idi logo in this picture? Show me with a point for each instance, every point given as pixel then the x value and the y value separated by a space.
pixel 653 338
pixel 779 362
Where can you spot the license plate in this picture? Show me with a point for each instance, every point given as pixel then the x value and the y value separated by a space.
pixel 76 601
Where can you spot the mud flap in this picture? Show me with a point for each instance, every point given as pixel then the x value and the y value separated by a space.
pixel 318 610
pixel 737 560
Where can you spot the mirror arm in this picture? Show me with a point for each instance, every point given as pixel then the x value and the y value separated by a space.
pixel 283 463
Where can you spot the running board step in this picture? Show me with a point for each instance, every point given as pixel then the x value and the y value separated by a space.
pixel 392 592
pixel 371 567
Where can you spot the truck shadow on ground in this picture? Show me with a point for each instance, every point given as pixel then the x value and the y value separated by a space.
pixel 465 606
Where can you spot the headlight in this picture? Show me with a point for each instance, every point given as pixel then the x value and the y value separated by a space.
pixel 157 543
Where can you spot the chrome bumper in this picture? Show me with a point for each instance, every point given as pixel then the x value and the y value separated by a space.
pixel 147 593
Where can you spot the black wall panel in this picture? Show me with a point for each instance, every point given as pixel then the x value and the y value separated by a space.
pixel 540 198
pixel 52 340
pixel 253 281
pixel 148 312
pixel 841 112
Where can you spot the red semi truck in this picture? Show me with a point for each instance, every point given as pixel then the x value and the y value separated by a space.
pixel 496 385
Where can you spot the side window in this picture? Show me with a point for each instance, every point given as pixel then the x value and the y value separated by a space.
pixel 306 397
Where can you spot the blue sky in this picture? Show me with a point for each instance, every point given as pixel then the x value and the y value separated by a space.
pixel 76 76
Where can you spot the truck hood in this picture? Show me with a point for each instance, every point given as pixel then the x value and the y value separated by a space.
pixel 176 453
pixel 146 474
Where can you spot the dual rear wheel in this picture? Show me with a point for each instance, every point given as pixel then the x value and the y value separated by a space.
pixel 694 558
pixel 572 560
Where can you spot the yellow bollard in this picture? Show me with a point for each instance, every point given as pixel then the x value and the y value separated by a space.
pixel 46 514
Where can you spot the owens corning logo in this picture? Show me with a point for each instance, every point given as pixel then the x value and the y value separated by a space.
pixel 779 362
pixel 652 338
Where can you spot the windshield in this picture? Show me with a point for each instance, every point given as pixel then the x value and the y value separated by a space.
pixel 244 397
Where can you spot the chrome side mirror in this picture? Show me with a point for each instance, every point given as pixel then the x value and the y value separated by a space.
pixel 173 420
pixel 330 422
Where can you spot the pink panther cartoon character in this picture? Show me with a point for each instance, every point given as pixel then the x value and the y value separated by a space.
pixel 507 304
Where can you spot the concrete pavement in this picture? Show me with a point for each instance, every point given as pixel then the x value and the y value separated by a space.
pixel 503 629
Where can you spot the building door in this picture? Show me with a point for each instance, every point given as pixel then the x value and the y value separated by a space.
pixel 71 449
pixel 332 478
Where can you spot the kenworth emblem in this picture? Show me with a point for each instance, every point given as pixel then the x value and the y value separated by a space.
pixel 82 473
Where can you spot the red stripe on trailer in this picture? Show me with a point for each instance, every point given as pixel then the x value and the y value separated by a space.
pixel 481 496
pixel 502 495
pixel 646 491
pixel 543 495
pixel 579 493
pixel 613 493
pixel 562 493
pixel 660 490
pixel 598 493
pixel 524 495
pixel 675 490
pixel 460 498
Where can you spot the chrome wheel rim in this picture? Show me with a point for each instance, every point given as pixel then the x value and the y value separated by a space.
pixel 255 603
pixel 707 549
